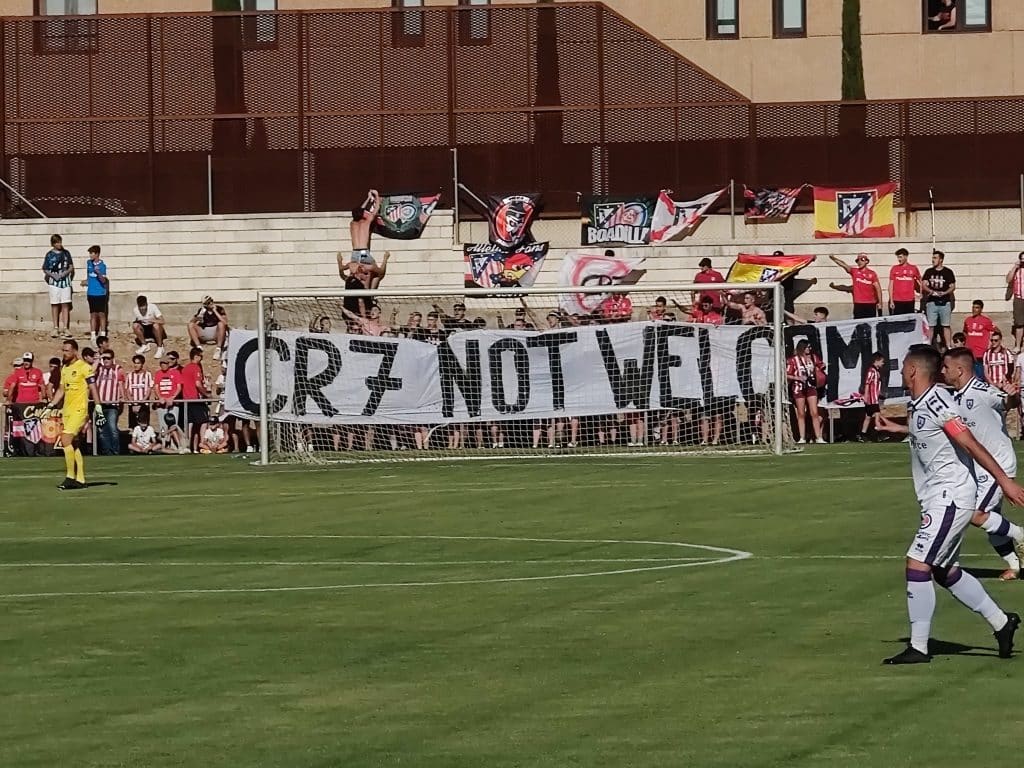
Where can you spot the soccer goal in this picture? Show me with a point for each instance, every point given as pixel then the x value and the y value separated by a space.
pixel 476 373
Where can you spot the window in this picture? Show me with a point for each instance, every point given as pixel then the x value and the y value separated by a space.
pixel 407 26
pixel 259 31
pixel 789 18
pixel 723 19
pixel 475 25
pixel 957 16
pixel 65 33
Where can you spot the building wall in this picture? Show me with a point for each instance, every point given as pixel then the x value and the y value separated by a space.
pixel 899 61
pixel 175 262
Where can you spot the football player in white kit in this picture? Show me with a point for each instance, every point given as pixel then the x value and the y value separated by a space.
pixel 983 408
pixel 943 455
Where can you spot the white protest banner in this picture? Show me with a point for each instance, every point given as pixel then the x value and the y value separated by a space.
pixel 491 375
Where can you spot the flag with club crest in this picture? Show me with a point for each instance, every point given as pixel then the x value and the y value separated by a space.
pixel 755 268
pixel 615 220
pixel 404 217
pixel 491 266
pixel 854 211
pixel 677 220
pixel 509 219
pixel 762 205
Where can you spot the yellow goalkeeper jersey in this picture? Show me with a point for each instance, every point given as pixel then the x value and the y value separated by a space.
pixel 75 380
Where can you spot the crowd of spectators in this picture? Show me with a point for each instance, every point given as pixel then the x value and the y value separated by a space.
pixel 169 405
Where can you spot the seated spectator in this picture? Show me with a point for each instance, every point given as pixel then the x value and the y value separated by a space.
pixel 209 325
pixel 143 439
pixel 214 438
pixel 147 326
pixel 172 438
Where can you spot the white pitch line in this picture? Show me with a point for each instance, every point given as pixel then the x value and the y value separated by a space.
pixel 372 563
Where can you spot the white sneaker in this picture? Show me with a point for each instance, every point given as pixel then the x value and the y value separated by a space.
pixel 250 449
pixel 309 447
pixel 801 441
pixel 159 353
pixel 183 451
pixel 570 445
pixel 216 354
pixel 820 441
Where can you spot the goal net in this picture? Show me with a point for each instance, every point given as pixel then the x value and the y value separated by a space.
pixel 392 375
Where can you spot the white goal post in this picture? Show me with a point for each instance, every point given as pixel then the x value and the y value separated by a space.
pixel 499 373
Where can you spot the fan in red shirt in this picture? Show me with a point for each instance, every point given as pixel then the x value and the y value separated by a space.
pixel 904 285
pixel 705 312
pixel 872 392
pixel 25 384
pixel 708 275
pixel 866 290
pixel 978 330
pixel 998 361
pixel 193 387
pixel 617 308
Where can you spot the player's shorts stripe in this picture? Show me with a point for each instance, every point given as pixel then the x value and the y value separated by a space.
pixel 988 495
pixel 940 537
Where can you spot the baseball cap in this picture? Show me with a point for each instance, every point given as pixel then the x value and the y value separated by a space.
pixel 28 356
pixel 207 299
pixel 17 362
pixel 459 305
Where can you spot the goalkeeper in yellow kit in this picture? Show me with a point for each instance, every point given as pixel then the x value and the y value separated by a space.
pixel 76 386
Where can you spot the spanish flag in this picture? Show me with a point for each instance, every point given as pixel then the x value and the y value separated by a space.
pixel 755 268
pixel 854 212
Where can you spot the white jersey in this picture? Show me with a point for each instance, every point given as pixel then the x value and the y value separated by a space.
pixel 983 409
pixel 943 474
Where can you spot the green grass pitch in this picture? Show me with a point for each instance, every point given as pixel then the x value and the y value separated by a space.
pixel 202 612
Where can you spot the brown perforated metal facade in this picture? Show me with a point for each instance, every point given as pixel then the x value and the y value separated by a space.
pixel 306 110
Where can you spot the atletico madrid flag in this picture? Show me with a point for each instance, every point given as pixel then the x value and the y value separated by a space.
pixel 854 212
pixel 755 268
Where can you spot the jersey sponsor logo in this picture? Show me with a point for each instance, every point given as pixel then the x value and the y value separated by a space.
pixel 926 519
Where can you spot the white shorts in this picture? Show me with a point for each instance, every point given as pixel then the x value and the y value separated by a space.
pixel 990 495
pixel 938 540
pixel 60 295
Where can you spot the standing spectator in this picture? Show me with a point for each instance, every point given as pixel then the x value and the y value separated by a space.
pixel 209 324
pixel 1015 287
pixel 110 387
pixel 371 325
pixel 138 385
pixel 412 325
pixel 872 393
pixel 9 381
pixel 998 361
pixel 51 377
pixel 59 271
pixel 657 312
pixel 938 285
pixel 617 308
pixel 193 388
pixel 804 371
pixel 167 387
pixel 978 330
pixel 147 326
pixel 457 320
pixel 904 285
pixel 705 312
pixel 959 341
pixel 750 313
pixel 97 293
pixel 22 388
pixel 866 289
pixel 143 439
pixel 431 333
pixel 705 274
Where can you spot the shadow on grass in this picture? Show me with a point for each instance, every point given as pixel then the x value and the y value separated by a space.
pixel 98 484
pixel 984 573
pixel 938 647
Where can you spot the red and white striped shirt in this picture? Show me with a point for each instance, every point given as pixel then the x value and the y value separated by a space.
pixel 109 379
pixel 872 387
pixel 998 364
pixel 138 385
pixel 1018 284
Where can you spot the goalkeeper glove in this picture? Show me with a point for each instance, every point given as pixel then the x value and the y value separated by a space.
pixel 101 420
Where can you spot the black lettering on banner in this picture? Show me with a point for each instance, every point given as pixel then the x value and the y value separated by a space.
pixel 383 381
pixel 852 354
pixel 667 361
pixel 468 380
pixel 810 331
pixel 496 362
pixel 630 383
pixel 306 387
pixel 883 331
pixel 554 342
pixel 744 358
pixel 247 350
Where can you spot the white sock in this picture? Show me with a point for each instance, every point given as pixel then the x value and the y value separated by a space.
pixel 998 524
pixel 1012 561
pixel 920 608
pixel 968 590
